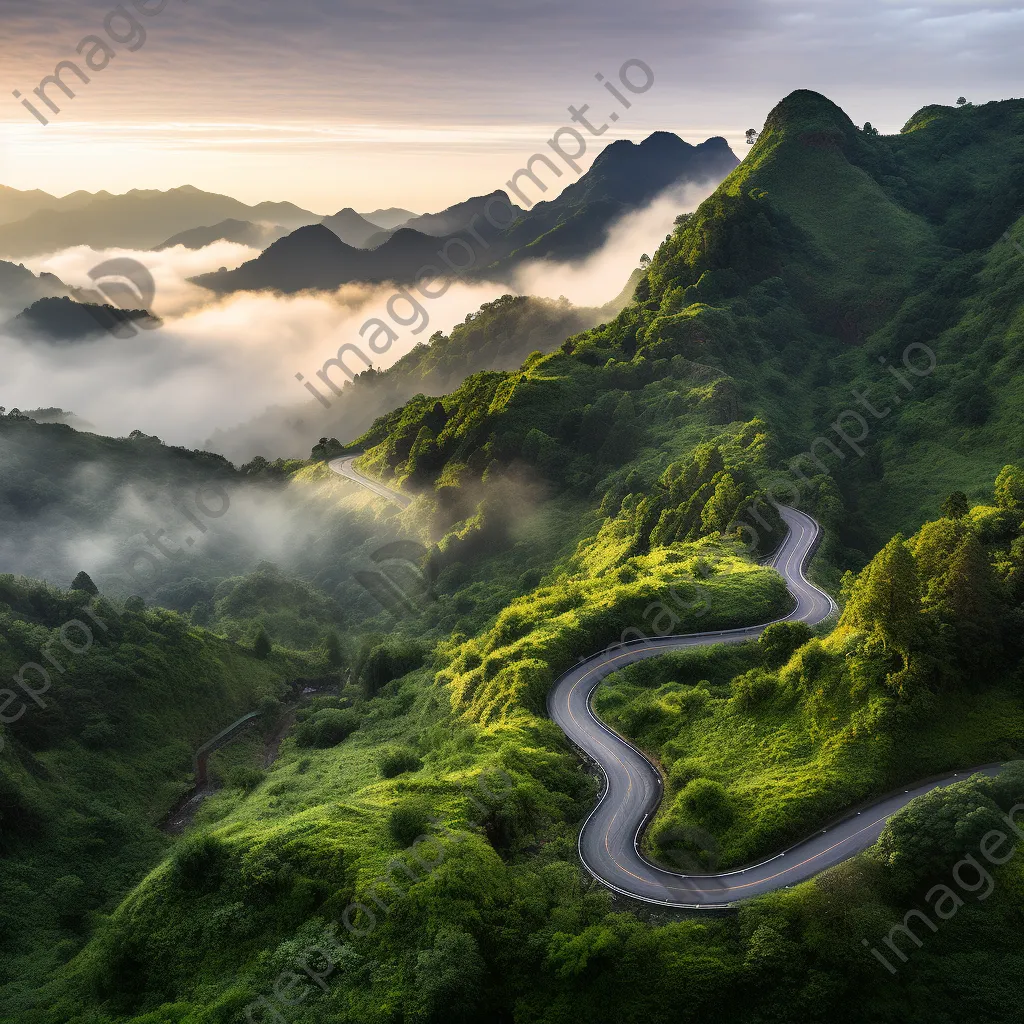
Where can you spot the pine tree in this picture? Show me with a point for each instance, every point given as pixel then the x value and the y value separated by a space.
pixel 332 650
pixel 886 599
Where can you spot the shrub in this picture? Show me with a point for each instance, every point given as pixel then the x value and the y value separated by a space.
pixel 327 728
pixel 707 802
pixel 399 760
pixel 389 661
pixel 780 641
pixel 754 688
pixel 245 777
pixel 409 820
pixel 199 861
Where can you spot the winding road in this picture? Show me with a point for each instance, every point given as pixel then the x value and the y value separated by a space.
pixel 344 467
pixel 609 842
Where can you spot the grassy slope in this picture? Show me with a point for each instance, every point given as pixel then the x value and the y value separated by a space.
pixel 87 778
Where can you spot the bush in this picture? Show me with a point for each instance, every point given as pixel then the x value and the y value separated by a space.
pixel 389 661
pixel 399 760
pixel 409 820
pixel 327 728
pixel 199 861
pixel 780 641
pixel 245 778
pixel 754 688
pixel 707 802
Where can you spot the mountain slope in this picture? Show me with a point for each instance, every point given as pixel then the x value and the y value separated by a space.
pixel 498 336
pixel 389 219
pixel 62 320
pixel 19 287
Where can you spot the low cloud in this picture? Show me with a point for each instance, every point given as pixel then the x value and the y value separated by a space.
pixel 221 362
pixel 599 278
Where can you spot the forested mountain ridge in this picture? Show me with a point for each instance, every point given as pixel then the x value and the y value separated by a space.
pixel 828 262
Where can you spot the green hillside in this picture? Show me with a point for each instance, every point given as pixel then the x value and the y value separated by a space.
pixel 410 854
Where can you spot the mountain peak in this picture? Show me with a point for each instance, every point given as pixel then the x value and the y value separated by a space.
pixel 806 111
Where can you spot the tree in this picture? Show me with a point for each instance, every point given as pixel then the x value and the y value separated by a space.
pixel 966 600
pixel 961 101
pixel 869 128
pixel 751 136
pixel 83 581
pixel 956 506
pixel 886 599
pixel 449 979
pixel 1009 488
pixel 721 507
pixel 331 647
pixel 261 645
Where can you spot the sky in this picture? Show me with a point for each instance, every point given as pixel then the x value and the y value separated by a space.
pixel 374 103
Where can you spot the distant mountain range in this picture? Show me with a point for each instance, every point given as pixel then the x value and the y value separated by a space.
pixel 386 220
pixel 137 220
pixel 244 232
pixel 623 178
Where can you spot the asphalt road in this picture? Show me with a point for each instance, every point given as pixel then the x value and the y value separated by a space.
pixel 609 842
pixel 609 839
pixel 343 467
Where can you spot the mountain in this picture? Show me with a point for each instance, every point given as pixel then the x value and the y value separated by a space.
pixel 314 257
pixel 243 232
pixel 624 177
pixel 461 216
pixel 135 220
pixel 352 229
pixel 389 219
pixel 64 320
pixel 19 287
pixel 498 336
pixel 831 264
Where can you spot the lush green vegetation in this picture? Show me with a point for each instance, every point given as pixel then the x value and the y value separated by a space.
pixel 920 677
pixel 615 486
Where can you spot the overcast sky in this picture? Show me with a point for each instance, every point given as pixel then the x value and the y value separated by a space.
pixel 367 103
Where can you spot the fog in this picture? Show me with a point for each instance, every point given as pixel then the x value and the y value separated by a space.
pixel 220 362
pixel 602 276
pixel 216 362
pixel 168 529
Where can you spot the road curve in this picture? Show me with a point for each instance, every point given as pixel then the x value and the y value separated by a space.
pixel 609 839
pixel 344 467
pixel 609 842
